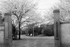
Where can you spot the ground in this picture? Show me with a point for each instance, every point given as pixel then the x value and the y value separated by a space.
pixel 37 41
pixel 34 42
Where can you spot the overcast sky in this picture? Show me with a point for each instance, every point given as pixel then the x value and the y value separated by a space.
pixel 44 5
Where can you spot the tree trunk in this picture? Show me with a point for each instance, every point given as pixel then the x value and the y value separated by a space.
pixel 33 31
pixel 19 30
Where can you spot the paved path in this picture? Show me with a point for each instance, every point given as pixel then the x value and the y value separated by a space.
pixel 34 42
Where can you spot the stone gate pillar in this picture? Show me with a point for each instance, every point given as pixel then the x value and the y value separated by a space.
pixel 0 18
pixel 57 31
pixel 1 31
pixel 8 30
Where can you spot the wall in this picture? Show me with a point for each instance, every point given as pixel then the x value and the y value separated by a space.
pixel 65 35
pixel 1 35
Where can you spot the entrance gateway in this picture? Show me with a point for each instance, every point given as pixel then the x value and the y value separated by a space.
pixel 6 31
pixel 59 31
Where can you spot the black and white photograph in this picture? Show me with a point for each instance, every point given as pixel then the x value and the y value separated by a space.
pixel 34 23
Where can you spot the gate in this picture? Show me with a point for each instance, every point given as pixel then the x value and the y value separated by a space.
pixel 57 28
pixel 6 31
pixel 61 31
pixel 1 35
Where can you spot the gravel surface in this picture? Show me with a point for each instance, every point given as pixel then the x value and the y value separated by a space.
pixel 27 41
pixel 34 42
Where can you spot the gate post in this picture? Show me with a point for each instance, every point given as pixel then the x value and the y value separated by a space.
pixel 57 29
pixel 0 18
pixel 8 30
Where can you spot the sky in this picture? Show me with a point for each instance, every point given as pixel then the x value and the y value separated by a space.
pixel 45 6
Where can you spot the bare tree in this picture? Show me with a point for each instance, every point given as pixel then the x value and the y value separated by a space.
pixel 19 8
pixel 64 8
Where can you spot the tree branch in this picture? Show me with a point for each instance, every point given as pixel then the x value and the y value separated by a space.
pixel 14 13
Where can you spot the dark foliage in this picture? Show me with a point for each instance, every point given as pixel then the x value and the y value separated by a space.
pixel 14 32
pixel 48 30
